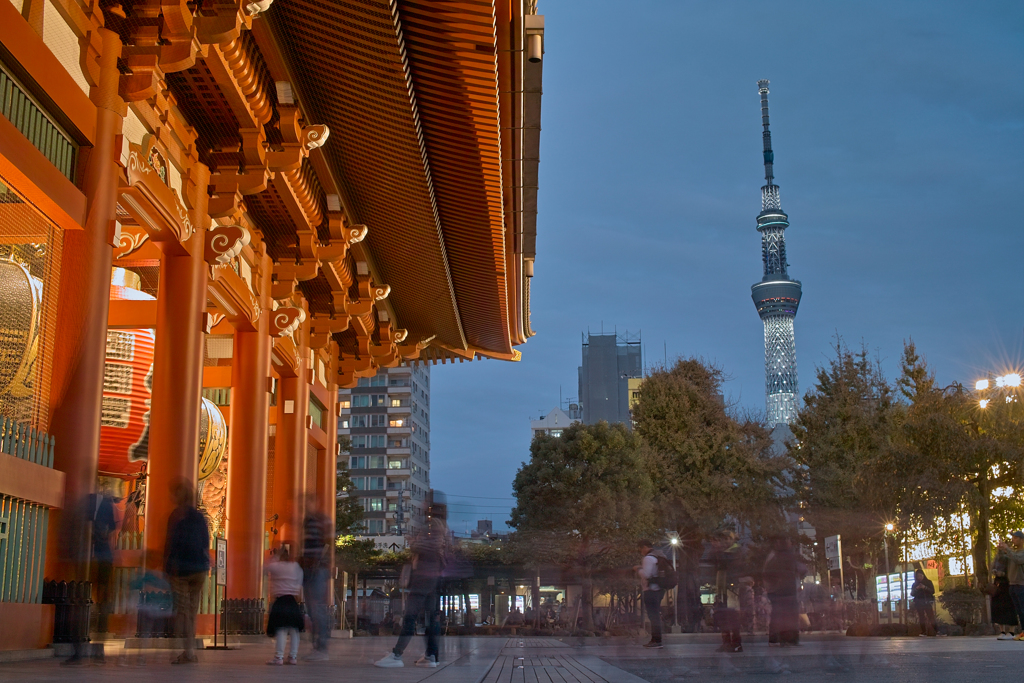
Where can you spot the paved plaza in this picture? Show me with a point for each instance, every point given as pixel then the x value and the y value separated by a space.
pixel 569 660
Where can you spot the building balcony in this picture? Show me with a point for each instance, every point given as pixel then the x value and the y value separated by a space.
pixel 403 472
pixel 405 430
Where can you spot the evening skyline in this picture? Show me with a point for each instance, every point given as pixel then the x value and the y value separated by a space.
pixel 899 149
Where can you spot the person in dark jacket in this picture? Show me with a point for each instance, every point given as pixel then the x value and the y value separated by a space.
pixel 923 592
pixel 782 572
pixel 428 561
pixel 316 564
pixel 186 562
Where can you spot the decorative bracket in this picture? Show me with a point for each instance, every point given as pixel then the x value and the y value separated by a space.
pixel 284 321
pixel 225 242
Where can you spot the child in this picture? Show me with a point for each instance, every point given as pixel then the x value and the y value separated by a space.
pixel 285 614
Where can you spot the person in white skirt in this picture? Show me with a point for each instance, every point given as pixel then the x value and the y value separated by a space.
pixel 286 619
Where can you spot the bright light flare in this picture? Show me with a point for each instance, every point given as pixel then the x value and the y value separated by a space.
pixel 981 384
pixel 983 403
pixel 674 541
pixel 890 526
pixel 1010 380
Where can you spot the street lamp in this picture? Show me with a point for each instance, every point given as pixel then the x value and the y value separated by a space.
pixel 673 541
pixel 889 527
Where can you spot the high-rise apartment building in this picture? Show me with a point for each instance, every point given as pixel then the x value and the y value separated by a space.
pixel 387 419
pixel 610 361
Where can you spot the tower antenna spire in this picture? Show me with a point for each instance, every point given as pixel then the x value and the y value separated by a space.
pixel 776 296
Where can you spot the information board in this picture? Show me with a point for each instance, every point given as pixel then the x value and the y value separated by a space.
pixel 222 561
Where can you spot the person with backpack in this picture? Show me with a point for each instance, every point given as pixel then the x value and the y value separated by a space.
pixel 656 577
pixel 423 576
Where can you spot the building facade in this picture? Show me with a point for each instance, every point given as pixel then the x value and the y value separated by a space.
pixel 610 362
pixel 387 421
pixel 209 223
pixel 776 296
pixel 555 422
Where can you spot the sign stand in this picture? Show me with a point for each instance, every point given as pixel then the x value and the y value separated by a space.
pixel 220 579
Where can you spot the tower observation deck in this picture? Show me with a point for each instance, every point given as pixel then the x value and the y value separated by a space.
pixel 776 296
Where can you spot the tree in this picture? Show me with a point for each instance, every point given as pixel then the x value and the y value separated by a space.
pixel 952 458
pixel 843 430
pixel 348 509
pixel 583 501
pixel 708 467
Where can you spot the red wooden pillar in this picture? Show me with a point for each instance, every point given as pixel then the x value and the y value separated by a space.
pixel 177 375
pixel 76 391
pixel 247 461
pixel 290 448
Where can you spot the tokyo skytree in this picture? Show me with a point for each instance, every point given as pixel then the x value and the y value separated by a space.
pixel 776 296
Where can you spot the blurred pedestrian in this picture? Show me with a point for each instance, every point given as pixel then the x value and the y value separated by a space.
pixel 1004 617
pixel 428 548
pixel 656 573
pixel 186 563
pixel 726 555
pixel 782 571
pixel 745 592
pixel 101 509
pixel 286 620
pixel 316 564
pixel 923 593
pixel 1014 553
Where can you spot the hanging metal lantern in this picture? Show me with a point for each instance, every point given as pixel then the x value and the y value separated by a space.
pixel 213 438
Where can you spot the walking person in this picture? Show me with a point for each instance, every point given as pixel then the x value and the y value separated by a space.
pixel 186 563
pixel 424 574
pixel 1014 553
pixel 286 620
pixel 923 593
pixel 782 571
pixel 1004 617
pixel 316 564
pixel 656 576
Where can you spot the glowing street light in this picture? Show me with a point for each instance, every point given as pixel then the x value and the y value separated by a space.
pixel 981 385
pixel 1010 380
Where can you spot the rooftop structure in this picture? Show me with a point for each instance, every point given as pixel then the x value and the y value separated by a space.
pixel 610 361
pixel 776 296
pixel 554 423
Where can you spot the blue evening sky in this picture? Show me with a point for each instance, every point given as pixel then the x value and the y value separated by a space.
pixel 898 130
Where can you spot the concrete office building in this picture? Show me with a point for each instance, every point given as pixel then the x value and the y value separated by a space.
pixel 387 419
pixel 610 361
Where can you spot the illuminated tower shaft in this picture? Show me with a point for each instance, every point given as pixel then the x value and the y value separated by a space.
pixel 776 296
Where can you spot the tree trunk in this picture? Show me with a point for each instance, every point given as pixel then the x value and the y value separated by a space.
pixel 981 545
pixel 587 599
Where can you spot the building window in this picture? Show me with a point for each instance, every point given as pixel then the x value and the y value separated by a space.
pixel 378 400
pixel 378 420
pixel 375 462
pixel 377 441
pixel 346 403
pixel 357 462
pixel 396 403
pixel 363 382
pixel 375 504
pixel 317 411
pixel 379 381
pixel 556 432
pixel 394 464
pixel 359 483
pixel 375 483
pixel 344 424
pixel 358 421
pixel 361 401
pixel 396 423
pixel 374 526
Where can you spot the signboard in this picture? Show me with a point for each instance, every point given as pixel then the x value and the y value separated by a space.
pixel 833 563
pixel 832 548
pixel 895 588
pixel 222 561
pixel 882 588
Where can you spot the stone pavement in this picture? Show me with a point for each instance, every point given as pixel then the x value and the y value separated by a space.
pixel 570 660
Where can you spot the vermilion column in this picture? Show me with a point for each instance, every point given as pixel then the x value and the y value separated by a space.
pixel 290 450
pixel 76 389
pixel 327 472
pixel 247 461
pixel 177 376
